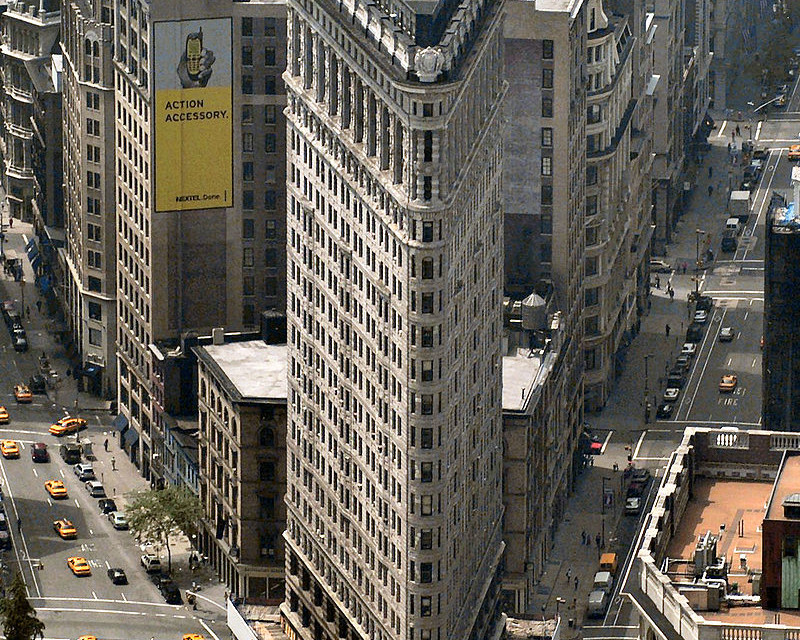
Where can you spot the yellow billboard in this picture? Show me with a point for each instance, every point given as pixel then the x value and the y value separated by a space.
pixel 193 114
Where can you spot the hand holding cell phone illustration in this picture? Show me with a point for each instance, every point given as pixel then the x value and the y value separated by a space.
pixel 194 68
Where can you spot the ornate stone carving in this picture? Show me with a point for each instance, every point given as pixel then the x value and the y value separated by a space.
pixel 428 63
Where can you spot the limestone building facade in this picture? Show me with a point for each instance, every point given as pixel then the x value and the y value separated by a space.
pixel 395 260
pixel 619 159
pixel 31 102
pixel 89 121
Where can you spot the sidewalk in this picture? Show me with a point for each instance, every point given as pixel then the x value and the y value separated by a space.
pixel 649 356
pixel 113 468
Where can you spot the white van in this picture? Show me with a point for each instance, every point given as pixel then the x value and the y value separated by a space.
pixel 603 581
pixel 733 224
pixel 598 603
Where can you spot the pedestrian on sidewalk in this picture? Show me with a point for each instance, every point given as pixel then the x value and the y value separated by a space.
pixel 738 133
pixel 710 171
pixel 583 537
pixel 671 292
pixel 28 312
pixel 597 540
pixel 105 444
pixel 569 573
pixel 710 190
pixel 658 282
pixel 19 523
pixel 39 306
pixel 576 583
pixel 113 463
pixel 667 330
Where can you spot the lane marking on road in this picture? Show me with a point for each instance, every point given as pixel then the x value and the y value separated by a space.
pixel 208 629
pixel 722 129
pixel 35 472
pixel 635 452
pixel 163 605
pixel 61 471
pixel 122 594
pixel 77 504
pixel 94 595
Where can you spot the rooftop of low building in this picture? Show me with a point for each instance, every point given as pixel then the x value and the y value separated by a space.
pixel 256 370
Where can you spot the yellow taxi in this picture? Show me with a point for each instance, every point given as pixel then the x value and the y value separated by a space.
pixel 65 529
pixel 728 382
pixel 192 636
pixel 4 417
pixel 88 638
pixel 67 425
pixel 56 489
pixel 794 152
pixel 79 566
pixel 22 393
pixel 9 449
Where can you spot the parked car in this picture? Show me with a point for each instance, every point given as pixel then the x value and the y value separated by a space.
pixel 107 505
pixel 689 349
pixel 151 563
pixel 84 471
pixel 664 411
pixel 704 303
pixel 683 361
pixel 118 520
pixel 671 394
pixel 700 317
pixel 19 340
pixel 95 489
pixel 659 266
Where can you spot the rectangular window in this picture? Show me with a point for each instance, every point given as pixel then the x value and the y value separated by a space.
pixel 270 174
pixel 247 55
pixel 95 337
pixel 269 56
pixel 591 236
pixel 247 142
pixel 590 359
pixel 270 143
pixel 95 284
pixel 271 230
pixel 427 303
pixel 547 107
pixel 591 205
pixel 426 471
pixel 426 539
pixel 248 200
pixel 270 114
pixel 270 200
pixel 591 174
pixel 591 326
pixel 247 26
pixel 426 505
pixel 427 231
pixel 248 285
pixel 427 337
pixel 270 27
pixel 248 228
pixel 546 224
pixel 247 171
pixel 95 311
pixel 545 253
pixel 593 114
pixel 547 137
pixel 547 194
pixel 247 257
pixel 427 404
pixel 590 266
pixel 547 166
pixel 247 84
pixel 270 286
pixel 547 49
pixel 547 78
pixel 425 572
pixel 247 113
pixel 427 370
pixel 591 297
pixel 425 606
pixel 426 438
pixel 269 85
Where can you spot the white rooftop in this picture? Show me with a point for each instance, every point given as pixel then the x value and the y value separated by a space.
pixel 255 368
pixel 519 375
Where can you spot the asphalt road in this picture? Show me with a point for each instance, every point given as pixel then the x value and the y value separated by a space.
pixel 71 606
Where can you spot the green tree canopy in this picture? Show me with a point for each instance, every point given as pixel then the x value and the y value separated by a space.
pixel 19 617
pixel 158 514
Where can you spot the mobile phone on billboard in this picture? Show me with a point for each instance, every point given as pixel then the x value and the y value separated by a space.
pixel 194 49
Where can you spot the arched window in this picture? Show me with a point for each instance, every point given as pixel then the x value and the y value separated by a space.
pixel 266 437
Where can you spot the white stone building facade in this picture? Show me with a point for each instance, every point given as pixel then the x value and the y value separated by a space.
pixel 395 280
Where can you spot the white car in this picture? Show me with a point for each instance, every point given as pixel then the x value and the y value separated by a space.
pixel 701 316
pixel 659 266
pixel 118 520
pixel 671 394
pixel 689 349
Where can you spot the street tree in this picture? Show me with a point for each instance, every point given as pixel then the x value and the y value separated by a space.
pixel 158 514
pixel 19 617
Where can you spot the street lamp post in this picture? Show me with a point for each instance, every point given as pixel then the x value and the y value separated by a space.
pixel 646 388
